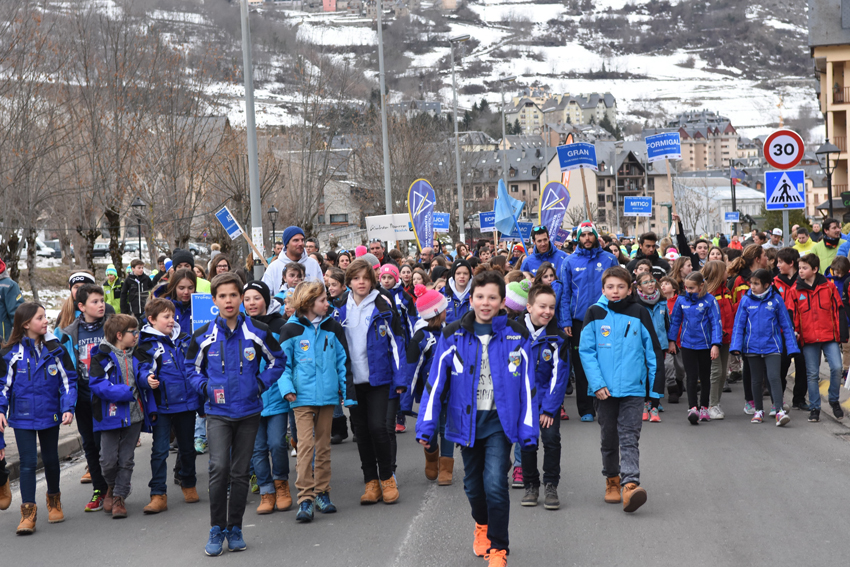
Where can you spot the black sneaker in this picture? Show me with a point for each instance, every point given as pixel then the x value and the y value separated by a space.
pixel 532 493
pixel 550 497
pixel 814 416
pixel 802 406
pixel 726 388
pixel 836 410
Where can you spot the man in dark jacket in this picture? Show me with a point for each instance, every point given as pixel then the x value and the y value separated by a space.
pixel 10 298
pixel 135 291
pixel 648 250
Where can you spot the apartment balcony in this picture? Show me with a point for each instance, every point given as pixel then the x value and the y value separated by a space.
pixel 840 95
pixel 841 142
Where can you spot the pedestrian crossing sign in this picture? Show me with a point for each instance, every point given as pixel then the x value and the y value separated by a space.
pixel 785 190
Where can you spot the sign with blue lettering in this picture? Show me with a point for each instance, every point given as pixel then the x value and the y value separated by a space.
pixel 203 310
pixel 732 217
pixel 785 190
pixel 637 206
pixel 228 222
pixel 561 236
pixel 525 230
pixel 663 146
pixel 487 221
pixel 580 155
pixel 441 222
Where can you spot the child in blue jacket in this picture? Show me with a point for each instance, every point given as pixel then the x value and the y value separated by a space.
pixel 621 354
pixel 762 324
pixel 38 388
pixel 649 296
pixel 457 290
pixel 162 373
pixel 483 374
pixel 120 409
pixel 698 315
pixel 390 281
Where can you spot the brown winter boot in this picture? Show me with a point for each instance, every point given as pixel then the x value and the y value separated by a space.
pixel 54 508
pixel 107 500
pixel 389 491
pixel 432 465
pixel 118 508
pixel 447 465
pixel 158 503
pixel 5 496
pixel 633 497
pixel 282 495
pixel 190 495
pixel 372 493
pixel 28 514
pixel 612 490
pixel 266 504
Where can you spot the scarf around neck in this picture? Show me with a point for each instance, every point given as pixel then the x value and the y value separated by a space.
pixel 649 299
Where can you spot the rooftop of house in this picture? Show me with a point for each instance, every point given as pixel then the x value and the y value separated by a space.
pixel 829 22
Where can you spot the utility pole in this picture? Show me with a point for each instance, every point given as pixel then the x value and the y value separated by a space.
pixel 388 195
pixel 461 220
pixel 253 160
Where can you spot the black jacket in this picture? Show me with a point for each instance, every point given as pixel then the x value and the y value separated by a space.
pixel 660 267
pixel 134 294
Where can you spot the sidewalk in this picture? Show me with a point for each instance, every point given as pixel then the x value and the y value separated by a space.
pixel 70 443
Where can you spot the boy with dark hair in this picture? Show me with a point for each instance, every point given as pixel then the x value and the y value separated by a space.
pixel 620 353
pixel 482 372
pixel 134 292
pixel 223 363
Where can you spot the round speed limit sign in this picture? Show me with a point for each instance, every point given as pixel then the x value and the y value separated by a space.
pixel 783 149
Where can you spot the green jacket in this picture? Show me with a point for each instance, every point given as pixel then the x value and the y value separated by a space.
pixel 113 293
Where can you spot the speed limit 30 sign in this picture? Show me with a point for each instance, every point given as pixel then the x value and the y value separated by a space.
pixel 783 149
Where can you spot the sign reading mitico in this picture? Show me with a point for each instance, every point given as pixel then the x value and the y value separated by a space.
pixel 663 146
pixel 637 206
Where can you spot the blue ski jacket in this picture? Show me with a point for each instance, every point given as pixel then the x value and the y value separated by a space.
pixel 761 325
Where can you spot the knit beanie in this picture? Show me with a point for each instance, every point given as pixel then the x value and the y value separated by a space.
pixel 517 295
pixel 672 254
pixel 587 226
pixel 80 277
pixel 371 259
pixel 289 232
pixel 168 264
pixel 461 264
pixel 391 270
pixel 260 287
pixel 438 272
pixel 429 302
pixel 360 250
pixel 181 256
pixel 110 270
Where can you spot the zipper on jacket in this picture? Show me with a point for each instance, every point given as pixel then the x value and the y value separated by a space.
pixel 223 348
pixel 241 356
pixel 29 372
pixel 628 326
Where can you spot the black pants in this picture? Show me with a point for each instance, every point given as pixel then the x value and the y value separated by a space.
pixel 697 367
pixel 392 410
pixel 747 379
pixel 369 421
pixel 91 439
pixel 231 444
pixel 584 402
pixel 550 437
pixel 4 472
pixel 798 396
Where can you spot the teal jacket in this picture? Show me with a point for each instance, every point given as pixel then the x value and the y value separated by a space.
pixel 317 365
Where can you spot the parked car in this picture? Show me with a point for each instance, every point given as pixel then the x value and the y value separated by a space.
pixel 198 249
pixel 56 246
pixel 101 250
pixel 41 250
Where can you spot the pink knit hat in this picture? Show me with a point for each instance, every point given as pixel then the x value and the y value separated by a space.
pixel 391 270
pixel 360 250
pixel 429 302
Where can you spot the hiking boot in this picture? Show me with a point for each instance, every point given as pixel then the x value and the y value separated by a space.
pixel 673 396
pixel 550 497
pixel 389 490
pixel 324 504
pixel 497 558
pixel 86 478
pixel 282 495
pixel 305 512
pixel 235 541
pixel 214 545
pixel 190 495
pixel 107 500
pixel 517 478
pixel 96 502
pixel 814 416
pixel 836 410
pixel 158 503
pixel 633 497
pixel 532 494
pixel 480 543
pixel 28 514
pixel 119 510
pixel 693 416
pixel 54 508
pixel 5 495
pixel 432 464
pixel 372 493
pixel 612 490
pixel 653 416
pixel 447 465
pixel 266 504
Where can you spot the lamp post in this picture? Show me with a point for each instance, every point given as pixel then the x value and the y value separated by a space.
pixel 272 212
pixel 826 150
pixel 502 81
pixel 138 205
pixel 461 222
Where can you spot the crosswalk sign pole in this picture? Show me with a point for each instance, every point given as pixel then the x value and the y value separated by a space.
pixel 785 233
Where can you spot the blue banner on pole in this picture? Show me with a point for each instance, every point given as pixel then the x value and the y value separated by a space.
pixel 561 236
pixel 732 217
pixel 637 206
pixel 228 222
pixel 441 222
pixel 487 221
pixel 579 155
pixel 525 232
pixel 663 146
pixel 203 310
pixel 553 206
pixel 420 206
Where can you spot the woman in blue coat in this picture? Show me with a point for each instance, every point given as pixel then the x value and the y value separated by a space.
pixel 38 388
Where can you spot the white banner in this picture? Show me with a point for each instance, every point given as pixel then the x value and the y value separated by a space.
pixel 389 227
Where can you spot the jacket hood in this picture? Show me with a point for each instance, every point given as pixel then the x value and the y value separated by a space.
pixel 545 256
pixel 420 324
pixel 616 307
pixel 499 322
pixel 151 332
pixel 107 348
pixel 459 294
pixel 819 281
pixel 549 330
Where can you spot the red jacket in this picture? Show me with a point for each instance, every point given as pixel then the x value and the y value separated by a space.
pixel 817 311
pixel 740 287
pixel 783 285
pixel 670 304
pixel 727 314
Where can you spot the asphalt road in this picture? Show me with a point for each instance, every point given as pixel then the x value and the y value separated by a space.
pixel 723 493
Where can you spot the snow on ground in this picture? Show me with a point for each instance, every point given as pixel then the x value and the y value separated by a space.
pixel 537 13
pixel 337 35
pixel 181 17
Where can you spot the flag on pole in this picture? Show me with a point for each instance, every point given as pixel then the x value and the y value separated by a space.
pixel 507 210
pixel 736 175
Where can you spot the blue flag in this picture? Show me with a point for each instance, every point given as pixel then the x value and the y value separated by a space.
pixel 420 207
pixel 507 209
pixel 553 206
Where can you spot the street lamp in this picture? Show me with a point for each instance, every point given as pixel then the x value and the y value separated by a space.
pixel 454 41
pixel 502 81
pixel 827 150
pixel 138 206
pixel 272 212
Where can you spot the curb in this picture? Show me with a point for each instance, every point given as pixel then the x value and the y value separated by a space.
pixel 68 447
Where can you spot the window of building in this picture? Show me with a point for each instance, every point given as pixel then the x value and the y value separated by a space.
pixel 523 192
pixel 339 219
pixel 514 188
pixel 321 219
pixel 534 185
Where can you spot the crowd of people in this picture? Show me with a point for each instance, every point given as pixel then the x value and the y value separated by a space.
pixel 487 342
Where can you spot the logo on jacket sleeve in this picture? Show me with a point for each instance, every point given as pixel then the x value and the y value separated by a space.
pixel 606 330
pixel 52 370
pixel 250 354
pixel 382 330
pixel 547 355
pixel 304 345
pixel 514 358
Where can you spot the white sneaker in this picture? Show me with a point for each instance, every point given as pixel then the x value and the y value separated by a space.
pixel 293 453
pixel 750 408
pixel 714 412
pixel 782 418
pixel 772 413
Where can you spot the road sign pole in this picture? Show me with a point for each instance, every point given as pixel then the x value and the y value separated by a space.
pixel 785 227
pixel 586 201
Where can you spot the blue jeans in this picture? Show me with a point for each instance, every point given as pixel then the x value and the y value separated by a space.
pixel 338 411
pixel 49 440
pixel 201 428
pixel 486 465
pixel 271 439
pixel 832 353
pixel 183 423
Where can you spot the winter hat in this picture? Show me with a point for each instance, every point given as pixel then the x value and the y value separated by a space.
pixel 461 264
pixel 110 270
pixel 182 256
pixel 80 277
pixel 429 302
pixel 517 295
pixel 672 254
pixel 289 232
pixel 168 264
pixel 371 259
pixel 391 270
pixel 360 250
pixel 260 287
pixel 587 226
pixel 438 272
